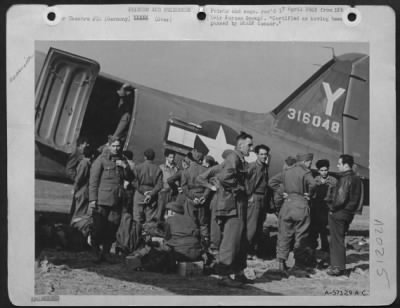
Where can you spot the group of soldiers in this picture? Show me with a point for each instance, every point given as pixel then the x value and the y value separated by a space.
pixel 216 210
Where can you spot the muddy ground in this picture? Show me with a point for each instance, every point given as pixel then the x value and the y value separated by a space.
pixel 63 272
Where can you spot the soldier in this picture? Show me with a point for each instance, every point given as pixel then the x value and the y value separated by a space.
pixel 80 218
pixel 124 112
pixel 175 181
pixel 294 216
pixel 345 202
pixel 182 234
pixel 207 180
pixel 196 196
pixel 257 188
pixel 107 176
pixel 279 194
pixel 231 212
pixel 82 145
pixel 147 183
pixel 319 207
pixel 166 194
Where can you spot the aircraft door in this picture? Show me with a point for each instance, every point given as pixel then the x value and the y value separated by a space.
pixel 62 93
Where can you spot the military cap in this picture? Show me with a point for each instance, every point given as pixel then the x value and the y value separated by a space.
pixel 290 160
pixel 304 157
pixel 176 207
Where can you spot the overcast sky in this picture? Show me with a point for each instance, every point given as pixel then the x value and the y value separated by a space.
pixel 250 76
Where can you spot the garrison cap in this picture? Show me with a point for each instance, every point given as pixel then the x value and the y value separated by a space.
pixel 304 157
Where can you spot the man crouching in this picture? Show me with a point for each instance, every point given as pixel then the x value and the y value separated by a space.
pixel 182 234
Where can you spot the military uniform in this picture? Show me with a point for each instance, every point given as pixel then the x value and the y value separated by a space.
pixel 294 216
pixel 192 190
pixel 319 211
pixel 80 218
pixel 166 193
pixel 147 178
pixel 346 200
pixel 182 234
pixel 204 179
pixel 106 188
pixel 172 182
pixel 71 170
pixel 231 212
pixel 257 187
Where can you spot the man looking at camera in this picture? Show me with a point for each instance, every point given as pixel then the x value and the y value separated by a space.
pixel 106 181
pixel 231 213
pixel 257 187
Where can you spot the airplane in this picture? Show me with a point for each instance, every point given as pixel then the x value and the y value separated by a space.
pixel 327 115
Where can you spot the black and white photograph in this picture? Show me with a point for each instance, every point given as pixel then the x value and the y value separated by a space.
pixel 243 157
pixel 209 168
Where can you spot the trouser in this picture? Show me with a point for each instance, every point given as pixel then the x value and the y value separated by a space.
pixel 256 214
pixel 293 226
pixel 142 212
pixel 106 220
pixel 215 231
pixel 200 215
pixel 339 223
pixel 164 197
pixel 232 254
pixel 319 226
pixel 80 203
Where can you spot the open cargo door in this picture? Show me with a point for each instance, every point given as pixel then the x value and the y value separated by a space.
pixel 62 93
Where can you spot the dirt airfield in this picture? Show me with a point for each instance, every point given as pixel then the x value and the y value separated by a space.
pixel 64 272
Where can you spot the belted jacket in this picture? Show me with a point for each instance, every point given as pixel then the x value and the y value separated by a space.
pixel 231 194
pixel 295 180
pixel 106 180
pixel 148 177
pixel 191 187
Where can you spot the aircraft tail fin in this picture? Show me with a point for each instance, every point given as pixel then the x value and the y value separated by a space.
pixel 317 113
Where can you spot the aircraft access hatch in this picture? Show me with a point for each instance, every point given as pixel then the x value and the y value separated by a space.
pixel 61 97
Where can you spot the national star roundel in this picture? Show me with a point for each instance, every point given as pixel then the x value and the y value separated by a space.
pixel 214 137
